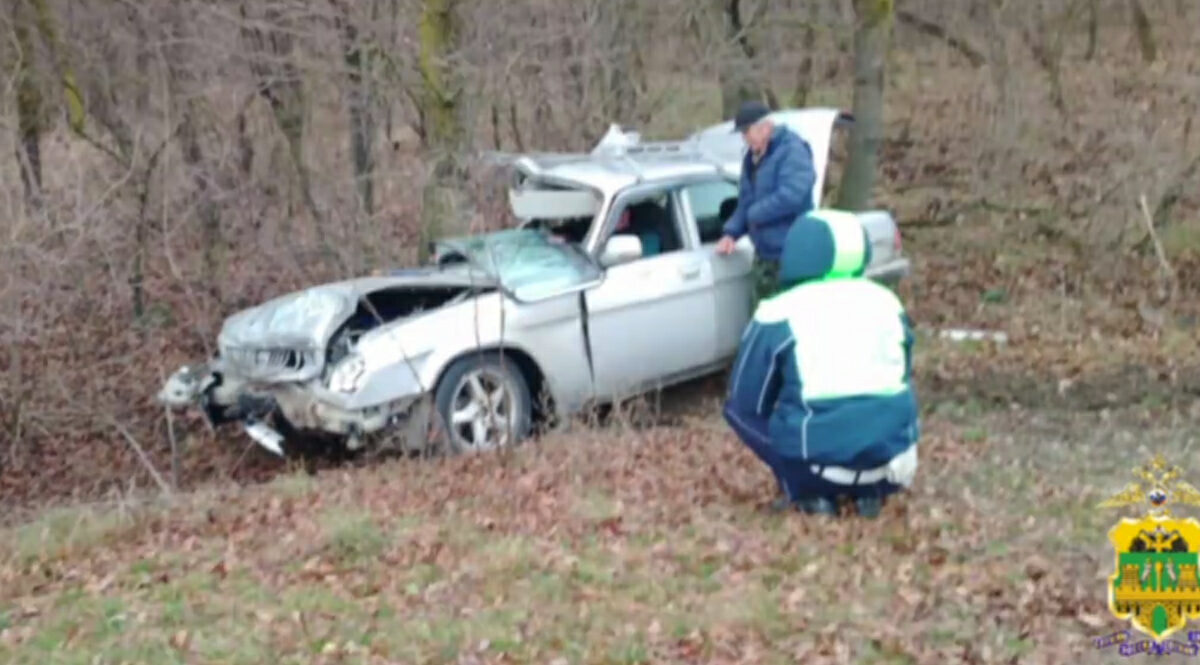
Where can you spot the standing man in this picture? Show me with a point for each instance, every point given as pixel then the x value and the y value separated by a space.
pixel 775 189
pixel 822 389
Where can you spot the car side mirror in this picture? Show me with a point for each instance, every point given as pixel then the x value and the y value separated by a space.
pixel 621 248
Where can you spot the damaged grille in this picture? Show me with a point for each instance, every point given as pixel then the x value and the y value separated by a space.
pixel 262 363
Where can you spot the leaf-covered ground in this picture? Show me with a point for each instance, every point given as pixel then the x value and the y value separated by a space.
pixel 615 545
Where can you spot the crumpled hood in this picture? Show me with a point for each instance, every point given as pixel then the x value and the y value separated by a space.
pixel 302 320
pixel 305 320
pixel 824 244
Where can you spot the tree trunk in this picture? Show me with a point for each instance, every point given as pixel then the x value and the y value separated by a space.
pixel 362 130
pixel 738 80
pixel 49 32
pixel 184 89
pixel 30 108
pixel 279 82
pixel 1093 28
pixel 1045 44
pixel 995 171
pixel 871 37
pixel 624 65
pixel 806 71
pixel 444 130
pixel 245 145
pixel 1145 33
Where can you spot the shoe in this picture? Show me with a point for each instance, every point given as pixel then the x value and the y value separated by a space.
pixel 818 506
pixel 869 506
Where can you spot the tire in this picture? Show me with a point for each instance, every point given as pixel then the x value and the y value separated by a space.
pixel 458 395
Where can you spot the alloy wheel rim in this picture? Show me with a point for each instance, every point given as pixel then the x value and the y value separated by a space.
pixel 481 411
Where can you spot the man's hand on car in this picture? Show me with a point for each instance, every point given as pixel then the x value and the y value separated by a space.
pixel 725 245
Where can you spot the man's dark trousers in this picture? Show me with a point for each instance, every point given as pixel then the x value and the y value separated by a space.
pixel 766 280
pixel 795 476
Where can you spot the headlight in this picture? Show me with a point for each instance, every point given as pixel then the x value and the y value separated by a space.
pixel 347 376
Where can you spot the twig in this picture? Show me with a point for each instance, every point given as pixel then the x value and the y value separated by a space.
pixel 238 463
pixel 1162 212
pixel 936 31
pixel 137 448
pixel 1148 220
pixel 171 436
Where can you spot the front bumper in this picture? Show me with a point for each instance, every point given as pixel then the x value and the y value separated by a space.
pixel 304 408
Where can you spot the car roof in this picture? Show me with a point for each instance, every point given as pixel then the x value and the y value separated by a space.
pixel 611 174
pixel 621 159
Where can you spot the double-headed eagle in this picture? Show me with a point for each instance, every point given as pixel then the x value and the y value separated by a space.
pixel 1160 485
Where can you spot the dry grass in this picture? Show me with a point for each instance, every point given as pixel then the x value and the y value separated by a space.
pixel 615 546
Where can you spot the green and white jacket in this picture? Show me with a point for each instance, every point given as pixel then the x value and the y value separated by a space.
pixel 824 370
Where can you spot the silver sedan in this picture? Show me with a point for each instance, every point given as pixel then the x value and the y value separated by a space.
pixel 609 287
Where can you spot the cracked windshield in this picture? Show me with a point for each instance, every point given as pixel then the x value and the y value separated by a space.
pixel 532 264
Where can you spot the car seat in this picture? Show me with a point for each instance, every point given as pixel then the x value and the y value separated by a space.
pixel 653 225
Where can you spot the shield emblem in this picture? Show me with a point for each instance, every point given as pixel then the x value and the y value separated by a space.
pixel 1155 585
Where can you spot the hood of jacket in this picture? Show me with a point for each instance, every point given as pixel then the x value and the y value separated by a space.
pixel 824 244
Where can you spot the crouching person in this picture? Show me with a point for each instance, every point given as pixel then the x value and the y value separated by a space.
pixel 820 390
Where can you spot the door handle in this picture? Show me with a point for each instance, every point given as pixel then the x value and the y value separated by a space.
pixel 689 271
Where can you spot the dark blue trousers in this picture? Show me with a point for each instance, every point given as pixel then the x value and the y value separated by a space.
pixel 794 475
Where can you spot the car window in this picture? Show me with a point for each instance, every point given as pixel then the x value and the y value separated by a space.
pixel 653 219
pixel 531 263
pixel 706 199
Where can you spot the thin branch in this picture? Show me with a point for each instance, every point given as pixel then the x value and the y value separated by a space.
pixel 931 29
pixel 1148 220
pixel 137 448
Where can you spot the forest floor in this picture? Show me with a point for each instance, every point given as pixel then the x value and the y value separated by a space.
pixel 619 544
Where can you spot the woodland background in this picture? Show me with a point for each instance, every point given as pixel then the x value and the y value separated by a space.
pixel 163 163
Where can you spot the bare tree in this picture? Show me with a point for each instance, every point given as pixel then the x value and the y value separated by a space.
pixel 625 76
pixel 1093 28
pixel 443 127
pixel 1143 31
pixel 31 111
pixel 271 42
pixel 1044 32
pixel 358 53
pixel 873 29
pixel 185 92
pixel 33 108
pixel 738 80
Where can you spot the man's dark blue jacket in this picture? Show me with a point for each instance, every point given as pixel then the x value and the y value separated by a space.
pixel 773 194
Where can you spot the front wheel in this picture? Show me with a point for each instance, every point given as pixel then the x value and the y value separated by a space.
pixel 483 403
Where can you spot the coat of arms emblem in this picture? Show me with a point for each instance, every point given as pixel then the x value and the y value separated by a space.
pixel 1154 585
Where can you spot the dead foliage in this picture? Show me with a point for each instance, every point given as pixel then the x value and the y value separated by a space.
pixel 628 546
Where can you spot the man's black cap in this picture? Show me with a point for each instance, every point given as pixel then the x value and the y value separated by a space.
pixel 749 113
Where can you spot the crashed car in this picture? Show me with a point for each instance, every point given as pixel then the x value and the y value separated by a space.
pixel 608 287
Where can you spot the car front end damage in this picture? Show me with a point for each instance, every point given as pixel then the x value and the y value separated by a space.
pixel 310 368
pixel 280 414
